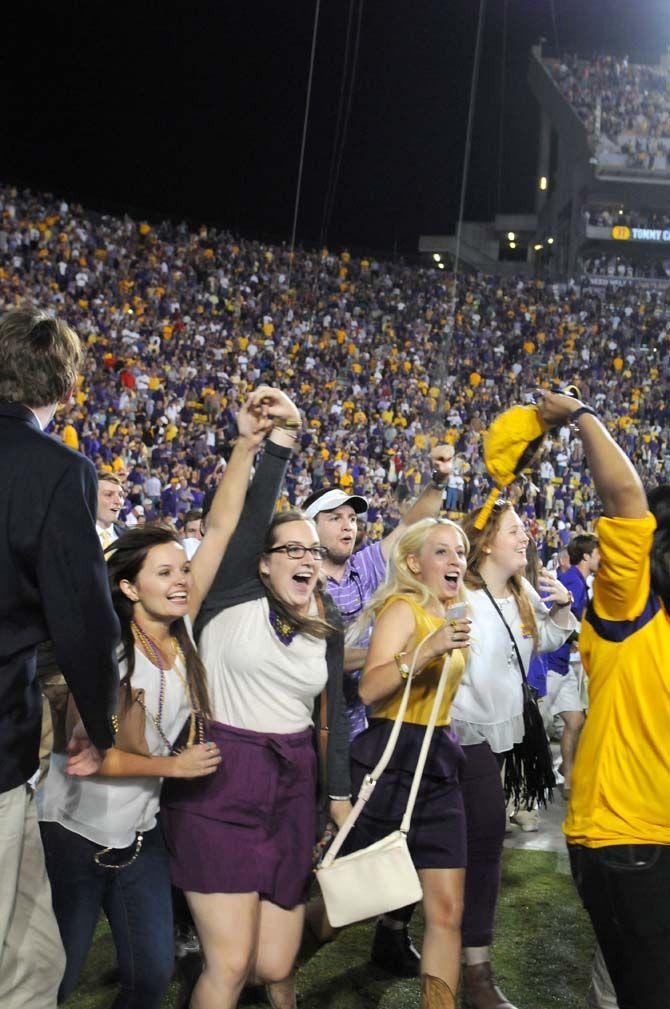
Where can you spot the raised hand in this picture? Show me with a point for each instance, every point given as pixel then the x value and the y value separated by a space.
pixel 555 407
pixel 442 461
pixel 253 421
pixel 275 403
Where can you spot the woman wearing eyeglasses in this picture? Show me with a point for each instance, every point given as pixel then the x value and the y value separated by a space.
pixel 242 843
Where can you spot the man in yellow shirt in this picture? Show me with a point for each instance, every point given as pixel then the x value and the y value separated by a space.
pixel 618 823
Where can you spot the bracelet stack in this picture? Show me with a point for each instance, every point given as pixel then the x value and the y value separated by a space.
pixel 292 427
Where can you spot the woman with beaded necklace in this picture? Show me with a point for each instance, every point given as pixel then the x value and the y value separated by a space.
pixel 99 813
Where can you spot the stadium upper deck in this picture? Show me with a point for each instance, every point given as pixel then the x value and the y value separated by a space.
pixel 603 168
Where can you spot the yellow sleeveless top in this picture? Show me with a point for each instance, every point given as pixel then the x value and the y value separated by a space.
pixel 422 691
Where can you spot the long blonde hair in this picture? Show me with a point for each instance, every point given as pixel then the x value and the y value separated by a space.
pixel 480 539
pixel 400 580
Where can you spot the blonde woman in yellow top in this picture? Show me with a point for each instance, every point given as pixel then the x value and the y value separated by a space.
pixel 425 579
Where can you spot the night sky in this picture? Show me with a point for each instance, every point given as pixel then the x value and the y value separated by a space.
pixel 196 109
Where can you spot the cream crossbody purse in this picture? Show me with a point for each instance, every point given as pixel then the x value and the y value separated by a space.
pixel 381 877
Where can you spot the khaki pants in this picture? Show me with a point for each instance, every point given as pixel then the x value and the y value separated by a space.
pixel 32 959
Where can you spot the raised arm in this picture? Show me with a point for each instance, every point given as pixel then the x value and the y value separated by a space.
pixel 253 425
pixel 240 563
pixel 429 503
pixel 616 481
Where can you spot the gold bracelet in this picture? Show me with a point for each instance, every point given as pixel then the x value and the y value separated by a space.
pixel 403 668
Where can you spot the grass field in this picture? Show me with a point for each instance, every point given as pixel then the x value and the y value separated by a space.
pixel 542 954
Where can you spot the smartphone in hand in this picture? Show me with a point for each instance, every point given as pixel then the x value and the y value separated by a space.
pixel 457 612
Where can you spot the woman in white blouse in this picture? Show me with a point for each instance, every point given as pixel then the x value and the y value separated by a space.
pixel 487 713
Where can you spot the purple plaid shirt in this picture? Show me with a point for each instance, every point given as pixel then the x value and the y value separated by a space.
pixel 364 572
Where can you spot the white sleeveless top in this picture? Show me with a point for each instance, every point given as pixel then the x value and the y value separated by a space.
pixel 110 811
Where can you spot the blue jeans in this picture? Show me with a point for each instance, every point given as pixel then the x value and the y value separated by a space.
pixel 626 891
pixel 137 901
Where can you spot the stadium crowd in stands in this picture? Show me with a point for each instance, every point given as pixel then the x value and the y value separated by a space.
pixel 628 103
pixel 180 324
pixel 607 217
pixel 626 266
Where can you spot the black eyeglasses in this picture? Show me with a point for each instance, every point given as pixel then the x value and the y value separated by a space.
pixel 296 551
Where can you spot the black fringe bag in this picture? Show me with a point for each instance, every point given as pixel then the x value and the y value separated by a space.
pixel 529 768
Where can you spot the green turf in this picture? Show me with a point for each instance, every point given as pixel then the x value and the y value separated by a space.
pixel 541 957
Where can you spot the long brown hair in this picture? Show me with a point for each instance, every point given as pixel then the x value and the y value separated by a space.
pixel 313 627
pixel 480 540
pixel 126 557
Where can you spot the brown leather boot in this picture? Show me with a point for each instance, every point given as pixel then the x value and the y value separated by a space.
pixel 479 989
pixel 436 993
pixel 281 994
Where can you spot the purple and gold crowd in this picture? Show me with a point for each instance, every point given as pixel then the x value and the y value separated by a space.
pixel 622 104
pixel 220 703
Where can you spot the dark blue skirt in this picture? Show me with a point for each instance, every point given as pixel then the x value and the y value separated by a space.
pixel 437 836
pixel 250 826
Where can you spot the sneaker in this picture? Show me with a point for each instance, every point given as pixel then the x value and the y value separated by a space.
pixel 394 950
pixel 527 819
pixel 185 942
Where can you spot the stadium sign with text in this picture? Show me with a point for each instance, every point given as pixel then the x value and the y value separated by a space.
pixel 645 283
pixel 624 234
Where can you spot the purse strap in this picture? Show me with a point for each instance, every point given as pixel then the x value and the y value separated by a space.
pixel 370 780
pixel 509 631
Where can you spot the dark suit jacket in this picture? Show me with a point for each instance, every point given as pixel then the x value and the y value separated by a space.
pixel 53 585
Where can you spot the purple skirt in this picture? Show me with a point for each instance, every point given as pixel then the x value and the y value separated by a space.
pixel 250 826
pixel 437 838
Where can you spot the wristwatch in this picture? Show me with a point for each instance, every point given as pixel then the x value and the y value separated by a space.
pixel 580 413
pixel 403 668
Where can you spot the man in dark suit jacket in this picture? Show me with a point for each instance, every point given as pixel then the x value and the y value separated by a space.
pixel 53 586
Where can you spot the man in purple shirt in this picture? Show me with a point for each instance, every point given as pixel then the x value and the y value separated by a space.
pixel 563 694
pixel 352 580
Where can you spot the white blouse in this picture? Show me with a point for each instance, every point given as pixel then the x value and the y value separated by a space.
pixel 488 706
pixel 110 811
pixel 256 681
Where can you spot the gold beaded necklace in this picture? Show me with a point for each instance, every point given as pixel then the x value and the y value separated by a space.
pixel 155 656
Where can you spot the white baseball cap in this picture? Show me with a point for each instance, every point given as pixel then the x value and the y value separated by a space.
pixel 329 499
